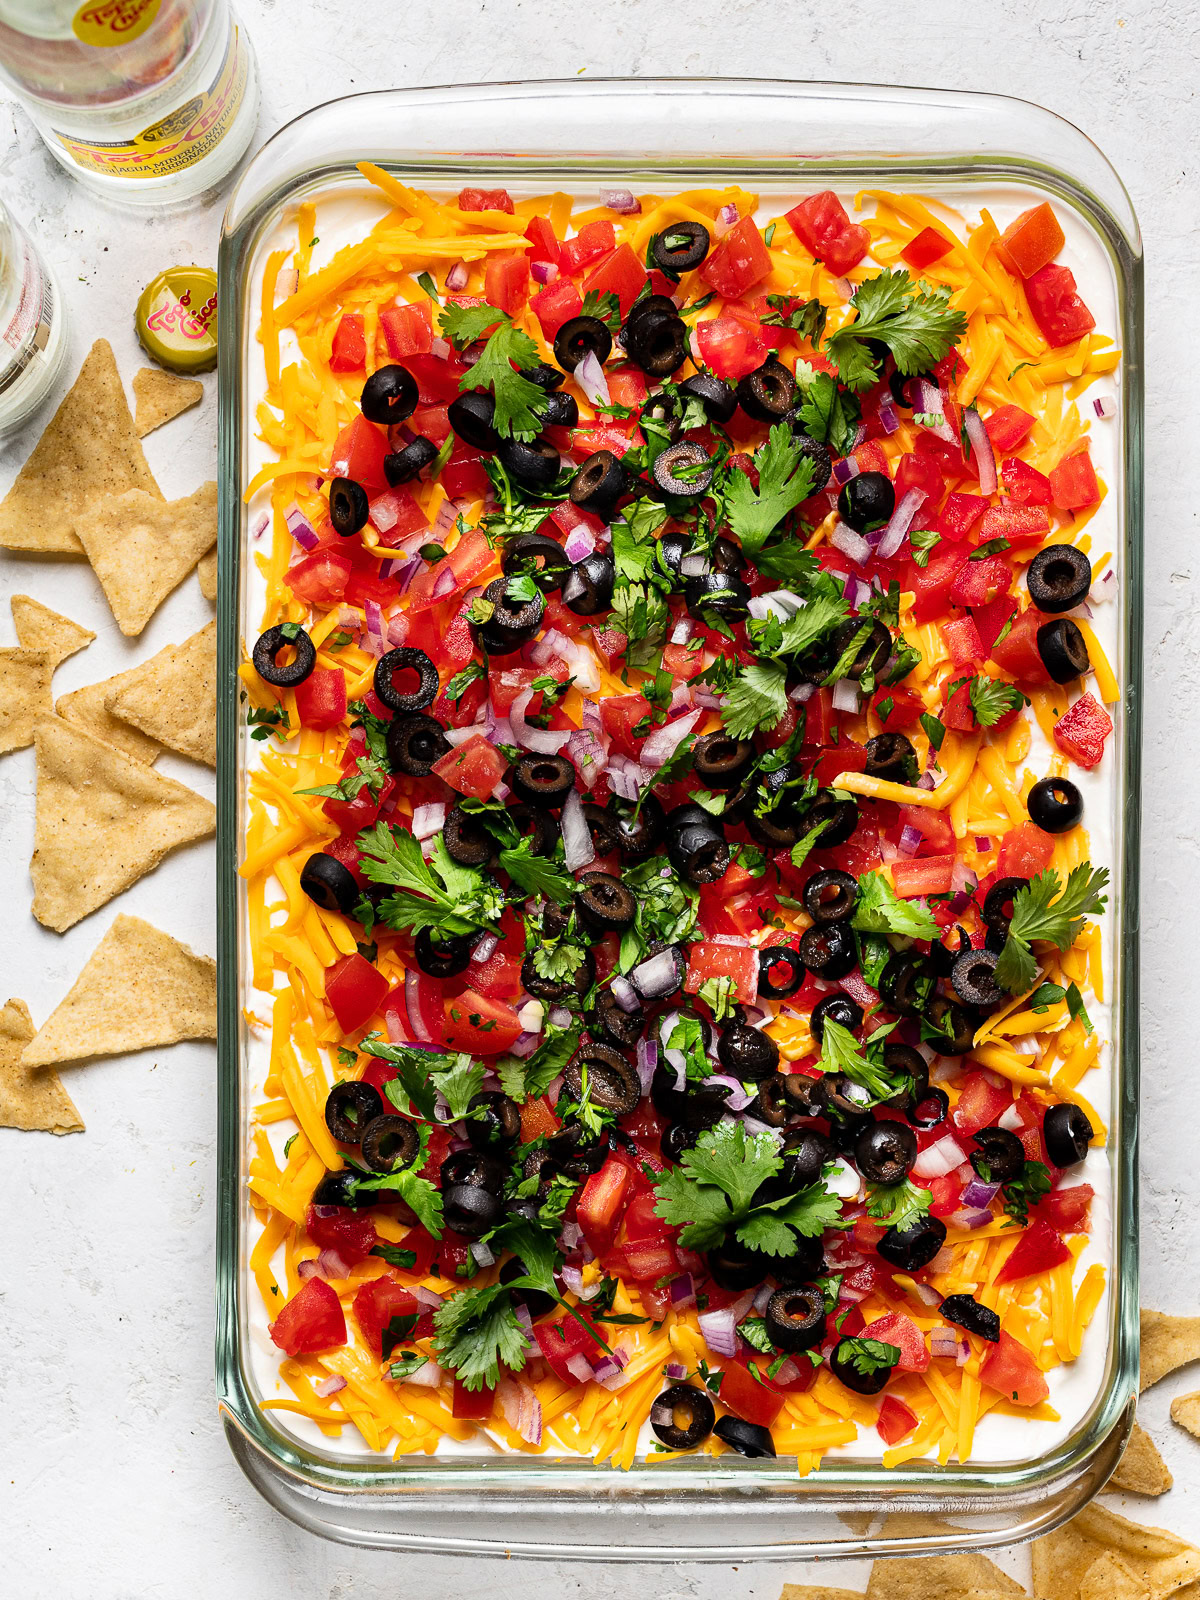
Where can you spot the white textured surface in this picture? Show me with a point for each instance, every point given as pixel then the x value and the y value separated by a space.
pixel 115 1480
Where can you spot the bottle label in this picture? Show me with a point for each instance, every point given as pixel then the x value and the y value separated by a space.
pixel 114 22
pixel 28 330
pixel 176 141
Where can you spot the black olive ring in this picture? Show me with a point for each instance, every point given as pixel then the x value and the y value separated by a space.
pixel 412 660
pixel 269 646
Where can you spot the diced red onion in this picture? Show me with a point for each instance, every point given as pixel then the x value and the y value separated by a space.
pixel 843 288
pixel 439 348
pixel 457 736
pixel 301 529
pixel 610 1370
pixel 681 699
pixel 625 995
pixel 706 698
pixel 334 1384
pixel 927 779
pixel 457 277
pixel 521 1409
pixel 737 1099
pixel 286 283
pixel 682 631
pixel 664 741
pixel 927 399
pixel 1105 407
pixel 761 1297
pixel 443 584
pixel 543 271
pixel 481 1254
pixel 332 1265
pixel 943 1341
pixel 939 1158
pixel 412 979
pixel 559 1016
pixel 978 1194
pixel 589 375
pixel 578 1365
pixel 964 1351
pixel 719 1331
pixel 927 1293
pixel 427 1376
pixel 683 1292
pixel 622 200
pixel 1104 588
pixel 426 1297
pixel 581 540
pixel 429 819
pixel 675 1372
pixel 981 449
pixel 487 942
pixel 647 1062
pixel 524 1045
pixel 694 566
pixel 261 526
pixel 587 755
pixel 962 877
pixel 725 219
pixel 802 692
pixel 542 741
pixel 397 631
pixel 969 1219
pixel 308 1269
pixel 901 520
pixel 845 469
pixel 845 695
pixel 982 842
pixel 658 974
pixel 578 847
pixel 851 544
pixel 889 421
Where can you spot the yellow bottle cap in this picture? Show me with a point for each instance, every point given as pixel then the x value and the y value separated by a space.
pixel 176 318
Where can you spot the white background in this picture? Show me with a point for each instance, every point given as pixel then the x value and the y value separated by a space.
pixel 115 1480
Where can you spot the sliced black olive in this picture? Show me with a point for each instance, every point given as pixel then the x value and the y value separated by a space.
pixel 721 762
pixel 562 411
pixel 329 884
pixel 768 393
pixel 733 1266
pixel 341 1189
pixel 780 971
pixel 698 853
pixel 891 756
pixel 682 1401
pixel 1067 1133
pixel 467 841
pixel 903 1058
pixel 749 1439
pixel 816 452
pixel 414 743
pixel 770 830
pixel 866 501
pixel 906 982
pixel 1000 1157
pixel 579 1154
pixel 269 646
pixel 442 955
pixel 830 896
pixel 875 646
pixel 831 952
pixel 795 1318
pixel 844 1363
pixel 493 1121
pixel 612 1081
pixel 604 902
pixel 558 989
pixel 680 247
pixel 973 977
pixel 406 660
pixel 471 417
pixel 698 1106
pixel 676 1139
pixel 513 622
pixel 543 558
pixel 579 337
pixel 847 1013
pixel 770 1104
pixel 885 1152
pixel 840 1098
pixel 1055 804
pixel 718 398
pixel 473 1167
pixel 931 1109
pixel 690 815
pixel 967 1312
pixel 658 345
pixel 389 1143
pixel 545 376
pixel 349 1108
pixel 723 594
pixel 535 464
pixel 609 1019
pixel 542 780
pixel 837 818
pixel 997 905
pixel 390 394
pixel 535 1301
pixel 470 1210
pixel 603 827
pixel 589 587
pixel 748 1053
pixel 1062 649
pixel 599 484
pixel 664 413
pixel 805 1154
pixel 688 458
pixel 913 1247
pixel 1059 578
pixel 402 466
pixel 638 837
pixel 647 310
pixel 348 506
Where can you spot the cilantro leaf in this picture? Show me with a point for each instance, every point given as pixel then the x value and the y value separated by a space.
pixel 520 404
pixel 411 1088
pixel 1019 1193
pixel 462 681
pixel 459 1083
pixel 772 1227
pixel 897 1204
pixel 785 478
pixel 934 727
pixel 410 1362
pixel 881 910
pixel 808 319
pixel 717 994
pixel 915 322
pixel 406 1260
pixel 476 1332
pixel 534 875
pixel 704 1210
pixel 438 893
pixel 634 545
pixel 1041 912
pixel 754 1331
pixel 819 617
pixel 423 1198
pixel 757 698
pixel 726 1159
pixel 803 847
pixel 841 1052
pixel 604 307
pixel 828 414
pixel 867 1356
pixel 991 699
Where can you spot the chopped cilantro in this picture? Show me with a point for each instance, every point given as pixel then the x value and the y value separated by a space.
pixel 1040 911
pixel 916 323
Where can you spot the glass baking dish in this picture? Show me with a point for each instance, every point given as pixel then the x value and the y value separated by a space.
pixel 775 138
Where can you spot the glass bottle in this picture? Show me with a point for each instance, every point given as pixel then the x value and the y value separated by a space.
pixel 33 341
pixel 144 101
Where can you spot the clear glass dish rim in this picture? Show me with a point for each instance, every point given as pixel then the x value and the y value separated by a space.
pixel 273 180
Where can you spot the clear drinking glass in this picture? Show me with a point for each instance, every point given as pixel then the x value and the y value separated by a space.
pixel 33 341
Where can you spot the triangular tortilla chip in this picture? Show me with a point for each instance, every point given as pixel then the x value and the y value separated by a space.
pixel 103 822
pixel 140 988
pixel 32 1098
pixel 1186 1412
pixel 87 708
pixel 1112 1578
pixel 1141 1470
pixel 1167 1343
pixel 142 548
pixel 206 571
pixel 173 696
pixel 24 695
pixel 804 1591
pixel 1062 1560
pixel 158 396
pixel 89 449
pixel 965 1575
pixel 39 628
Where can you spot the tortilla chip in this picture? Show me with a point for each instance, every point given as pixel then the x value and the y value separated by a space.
pixel 1167 1343
pixel 1141 1470
pixel 87 708
pixel 31 1098
pixel 24 695
pixel 140 988
pixel 965 1575
pixel 1112 1578
pixel 103 822
pixel 804 1591
pixel 206 571
pixel 142 548
pixel 89 450
pixel 1063 1559
pixel 173 696
pixel 1186 1412
pixel 159 396
pixel 39 628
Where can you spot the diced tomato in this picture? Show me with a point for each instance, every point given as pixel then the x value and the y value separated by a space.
pixel 474 768
pixel 1025 485
pixel 381 1300
pixel 321 698
pixel 925 875
pixel 1082 732
pixel 646 1261
pixel 1067 1210
pixel 506 282
pixel 1037 1250
pixel 408 329
pixel 992 619
pixel 1024 852
pixel 537 1118
pixel 358 453
pixel 729 347
pixel 905 708
pixel 1017 524
pixel 600 1201
pixel 737 262
pixel 352 816
pixel 711 961
pixel 619 715
pixel 642 1222
pixel 926 248
pixel 627 386
pixel 472 1405
pixel 1056 306
pixel 826 232
pixel 959 515
pixel 485 200
pixel 311 1321
pixel 895 1421
pixel 1030 241
pixel 845 756
pixel 351 1233
pixel 872 457
pixel 1008 427
pixel 454 1255
pixel 320 579
pixel 433 422
pixel 423 1245
pixel 945 1194
pixel 931 584
pixel 916 472
pixel 896 1329
pixel 479 1023
pixel 471 557
pixel 355 989
pixel 463 475
pixel 1010 1369
pixel 621 274
pixel 543 241
pixel 557 303
pixel 563 1338
pixel 979 1103
pixel 395 514
pixel 682 663
pixel 1072 484
pixel 979 582
pixel 594 239
pixel 437 377
pixel 349 351
pixel 1017 653
pixel 962 638
pixel 747 1398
